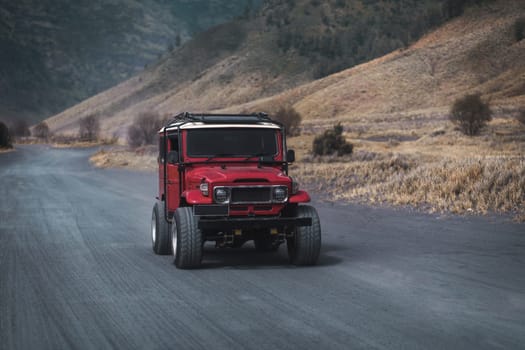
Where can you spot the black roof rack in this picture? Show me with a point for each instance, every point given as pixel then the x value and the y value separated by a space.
pixel 221 118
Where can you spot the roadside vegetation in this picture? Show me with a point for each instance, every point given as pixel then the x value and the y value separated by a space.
pixel 470 114
pixel 332 142
pixel 290 118
pixel 42 132
pixel 144 129
pixel 142 145
pixel 88 135
pixel 425 164
pixel 20 129
pixel 5 137
pixel 89 129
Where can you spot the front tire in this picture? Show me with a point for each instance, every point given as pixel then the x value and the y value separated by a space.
pixel 160 230
pixel 186 239
pixel 305 245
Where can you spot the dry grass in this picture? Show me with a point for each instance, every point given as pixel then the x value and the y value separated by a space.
pixel 64 141
pixel 6 150
pixel 77 144
pixel 142 158
pixel 442 170
pixel 478 184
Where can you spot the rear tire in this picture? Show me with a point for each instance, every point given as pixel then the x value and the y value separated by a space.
pixel 186 239
pixel 304 247
pixel 160 230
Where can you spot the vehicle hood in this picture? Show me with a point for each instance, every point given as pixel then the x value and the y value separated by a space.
pixel 237 174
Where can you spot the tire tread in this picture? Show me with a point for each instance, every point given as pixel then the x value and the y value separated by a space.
pixel 308 238
pixel 189 239
pixel 162 243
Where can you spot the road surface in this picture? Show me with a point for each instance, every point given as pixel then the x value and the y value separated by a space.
pixel 77 272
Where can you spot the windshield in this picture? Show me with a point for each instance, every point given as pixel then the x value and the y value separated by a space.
pixel 232 142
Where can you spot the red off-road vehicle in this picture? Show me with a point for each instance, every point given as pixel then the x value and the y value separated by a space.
pixel 224 178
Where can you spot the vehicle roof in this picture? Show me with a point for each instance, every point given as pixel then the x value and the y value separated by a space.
pixel 200 125
pixel 188 120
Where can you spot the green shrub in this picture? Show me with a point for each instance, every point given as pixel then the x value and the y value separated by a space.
pixel 332 142
pixel 290 118
pixel 470 113
pixel 5 138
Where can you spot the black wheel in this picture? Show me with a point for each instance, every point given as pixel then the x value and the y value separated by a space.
pixel 265 245
pixel 160 230
pixel 305 245
pixel 186 239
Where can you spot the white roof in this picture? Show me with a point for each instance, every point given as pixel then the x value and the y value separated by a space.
pixel 199 125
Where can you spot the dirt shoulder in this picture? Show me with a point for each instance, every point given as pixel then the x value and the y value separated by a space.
pixel 114 157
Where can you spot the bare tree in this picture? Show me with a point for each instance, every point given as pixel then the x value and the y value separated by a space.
pixel 144 129
pixel 89 129
pixel 21 128
pixel 290 118
pixel 5 139
pixel 41 131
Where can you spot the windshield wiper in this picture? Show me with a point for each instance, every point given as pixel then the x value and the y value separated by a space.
pixel 220 155
pixel 258 155
pixel 263 157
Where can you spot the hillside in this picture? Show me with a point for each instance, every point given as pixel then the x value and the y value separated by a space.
pixel 284 45
pixel 56 53
pixel 476 53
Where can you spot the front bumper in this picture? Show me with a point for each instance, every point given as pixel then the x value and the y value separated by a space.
pixel 228 223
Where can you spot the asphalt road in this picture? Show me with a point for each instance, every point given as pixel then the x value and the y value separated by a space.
pixel 77 271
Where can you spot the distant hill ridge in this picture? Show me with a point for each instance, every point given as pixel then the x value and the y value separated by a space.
pixel 56 53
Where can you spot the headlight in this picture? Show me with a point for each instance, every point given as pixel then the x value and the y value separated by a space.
pixel 280 194
pixel 204 187
pixel 222 195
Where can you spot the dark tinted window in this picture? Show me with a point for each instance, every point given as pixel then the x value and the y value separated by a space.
pixel 174 142
pixel 162 149
pixel 242 142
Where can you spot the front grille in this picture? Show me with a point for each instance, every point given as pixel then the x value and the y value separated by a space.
pixel 251 195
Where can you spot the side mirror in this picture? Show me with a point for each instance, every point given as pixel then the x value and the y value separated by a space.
pixel 173 157
pixel 290 156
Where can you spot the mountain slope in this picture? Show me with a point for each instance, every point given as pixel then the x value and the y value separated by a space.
pixel 55 53
pixel 286 44
pixel 476 53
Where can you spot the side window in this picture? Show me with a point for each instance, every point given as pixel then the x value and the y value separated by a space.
pixel 162 149
pixel 174 142
pixel 173 153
